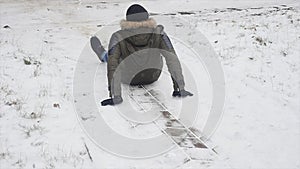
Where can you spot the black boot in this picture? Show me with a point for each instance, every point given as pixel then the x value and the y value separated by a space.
pixel 97 47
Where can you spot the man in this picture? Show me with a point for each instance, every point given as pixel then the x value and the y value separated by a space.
pixel 136 53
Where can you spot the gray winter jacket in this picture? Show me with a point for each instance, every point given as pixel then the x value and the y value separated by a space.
pixel 135 56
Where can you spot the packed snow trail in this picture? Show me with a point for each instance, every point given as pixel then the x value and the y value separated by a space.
pixel 187 139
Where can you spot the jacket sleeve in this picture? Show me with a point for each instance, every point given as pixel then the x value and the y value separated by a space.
pixel 114 54
pixel 172 61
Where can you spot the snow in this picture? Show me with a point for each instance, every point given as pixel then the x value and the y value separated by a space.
pixel 257 45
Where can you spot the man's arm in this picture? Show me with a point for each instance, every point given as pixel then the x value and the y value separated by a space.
pixel 114 53
pixel 114 88
pixel 172 62
pixel 174 66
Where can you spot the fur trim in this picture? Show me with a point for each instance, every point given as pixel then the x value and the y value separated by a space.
pixel 150 23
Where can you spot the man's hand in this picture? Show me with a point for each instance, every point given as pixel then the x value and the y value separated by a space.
pixel 112 101
pixel 181 93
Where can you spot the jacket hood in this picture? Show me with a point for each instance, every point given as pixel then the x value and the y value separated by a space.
pixel 138 33
pixel 149 23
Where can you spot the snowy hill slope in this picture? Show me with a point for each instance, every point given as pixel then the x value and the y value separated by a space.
pixel 258 46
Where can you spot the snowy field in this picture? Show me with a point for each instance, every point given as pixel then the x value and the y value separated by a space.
pixel 258 46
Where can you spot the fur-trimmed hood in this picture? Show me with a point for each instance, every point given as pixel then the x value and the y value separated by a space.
pixel 149 23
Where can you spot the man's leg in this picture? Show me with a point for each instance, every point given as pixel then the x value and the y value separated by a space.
pixel 104 57
pixel 99 49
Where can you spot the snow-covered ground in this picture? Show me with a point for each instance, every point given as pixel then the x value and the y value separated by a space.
pixel 258 47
